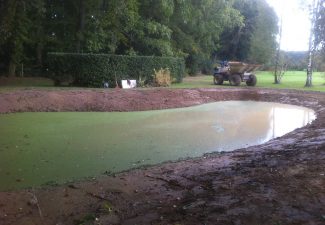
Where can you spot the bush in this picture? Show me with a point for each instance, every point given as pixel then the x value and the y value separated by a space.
pixel 93 69
pixel 162 78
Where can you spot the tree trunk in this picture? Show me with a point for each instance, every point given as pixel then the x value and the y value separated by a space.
pixel 312 45
pixel 81 25
pixel 236 42
pixel 277 79
pixel 40 41
pixel 276 72
pixel 12 69
pixel 309 70
pixel 39 55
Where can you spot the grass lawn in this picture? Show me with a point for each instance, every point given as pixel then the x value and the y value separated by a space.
pixel 25 82
pixel 265 79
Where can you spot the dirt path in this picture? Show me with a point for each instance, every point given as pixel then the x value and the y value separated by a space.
pixel 280 182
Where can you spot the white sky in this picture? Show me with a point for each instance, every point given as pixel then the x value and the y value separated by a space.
pixel 296 24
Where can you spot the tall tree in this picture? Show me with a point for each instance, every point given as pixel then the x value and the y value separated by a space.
pixel 185 28
pixel 255 40
pixel 313 40
pixel 320 25
pixel 154 36
pixel 236 42
pixel 14 32
pixel 37 35
pixel 119 26
pixel 263 41
pixel 278 72
pixel 319 61
pixel 197 27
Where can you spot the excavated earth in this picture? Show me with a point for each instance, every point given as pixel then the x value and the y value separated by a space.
pixel 279 182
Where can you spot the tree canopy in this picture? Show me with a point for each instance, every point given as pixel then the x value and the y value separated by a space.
pixel 201 31
pixel 320 25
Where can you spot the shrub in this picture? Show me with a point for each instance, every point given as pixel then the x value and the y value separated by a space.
pixel 162 78
pixel 93 69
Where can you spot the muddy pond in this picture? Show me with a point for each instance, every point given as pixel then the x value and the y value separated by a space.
pixel 52 148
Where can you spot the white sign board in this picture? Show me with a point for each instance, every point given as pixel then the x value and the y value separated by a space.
pixel 129 84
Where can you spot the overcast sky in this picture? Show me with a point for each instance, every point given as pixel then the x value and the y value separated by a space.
pixel 296 24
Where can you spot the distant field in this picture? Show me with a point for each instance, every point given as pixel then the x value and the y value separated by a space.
pixel 291 80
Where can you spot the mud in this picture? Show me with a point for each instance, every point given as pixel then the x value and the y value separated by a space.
pixel 279 182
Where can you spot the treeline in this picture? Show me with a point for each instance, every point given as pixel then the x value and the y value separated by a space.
pixel 200 31
pixel 294 60
pixel 297 61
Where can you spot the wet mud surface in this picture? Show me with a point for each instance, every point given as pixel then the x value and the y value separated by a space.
pixel 279 182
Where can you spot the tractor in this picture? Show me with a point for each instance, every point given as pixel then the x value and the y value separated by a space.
pixel 235 73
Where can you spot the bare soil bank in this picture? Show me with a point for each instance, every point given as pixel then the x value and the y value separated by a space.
pixel 280 182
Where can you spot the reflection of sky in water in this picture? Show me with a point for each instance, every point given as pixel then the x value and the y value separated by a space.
pixel 63 146
pixel 284 120
pixel 251 123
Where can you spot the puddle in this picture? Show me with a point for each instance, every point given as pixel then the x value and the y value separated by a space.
pixel 50 148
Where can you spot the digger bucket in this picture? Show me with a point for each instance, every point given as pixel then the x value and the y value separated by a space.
pixel 240 68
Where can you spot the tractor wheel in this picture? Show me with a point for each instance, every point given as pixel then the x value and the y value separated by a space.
pixel 218 79
pixel 252 80
pixel 235 80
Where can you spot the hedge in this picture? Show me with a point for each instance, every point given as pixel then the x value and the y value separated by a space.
pixel 93 69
